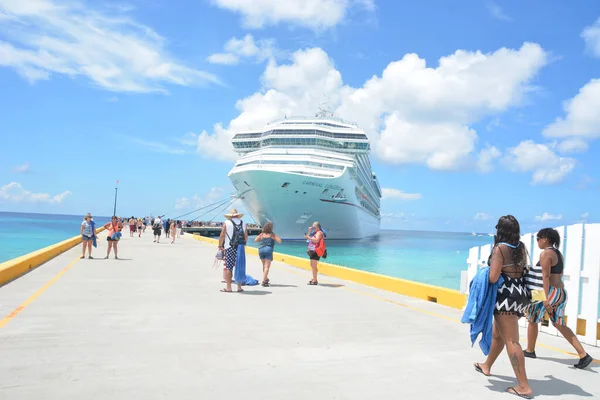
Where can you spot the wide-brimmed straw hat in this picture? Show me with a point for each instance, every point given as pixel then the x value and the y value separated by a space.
pixel 233 214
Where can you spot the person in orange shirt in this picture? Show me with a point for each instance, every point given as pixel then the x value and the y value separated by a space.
pixel 114 234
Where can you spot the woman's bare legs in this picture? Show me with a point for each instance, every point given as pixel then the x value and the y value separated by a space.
pixel 508 325
pixel 89 246
pixel 84 246
pixel 495 350
pixel 110 245
pixel 571 338
pixel 115 249
pixel 266 265
pixel 315 270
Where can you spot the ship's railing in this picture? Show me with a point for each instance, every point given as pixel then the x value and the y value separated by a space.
pixel 304 118
pixel 580 246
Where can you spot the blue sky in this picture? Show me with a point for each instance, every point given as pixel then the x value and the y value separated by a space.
pixel 475 109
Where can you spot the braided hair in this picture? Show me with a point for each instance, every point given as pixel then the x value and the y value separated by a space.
pixel 508 231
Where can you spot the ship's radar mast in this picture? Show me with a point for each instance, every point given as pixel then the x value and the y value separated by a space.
pixel 324 112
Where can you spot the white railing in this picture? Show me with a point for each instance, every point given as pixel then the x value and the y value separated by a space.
pixel 580 245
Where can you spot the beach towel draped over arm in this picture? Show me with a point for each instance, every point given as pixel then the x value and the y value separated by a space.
pixel 479 311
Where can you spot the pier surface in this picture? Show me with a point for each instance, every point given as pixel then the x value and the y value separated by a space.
pixel 153 325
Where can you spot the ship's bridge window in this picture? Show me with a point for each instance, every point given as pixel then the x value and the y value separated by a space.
pixel 285 185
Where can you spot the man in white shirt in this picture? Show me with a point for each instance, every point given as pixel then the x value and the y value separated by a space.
pixel 230 227
pixel 157 227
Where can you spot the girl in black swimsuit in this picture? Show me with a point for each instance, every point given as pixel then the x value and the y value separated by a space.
pixel 508 259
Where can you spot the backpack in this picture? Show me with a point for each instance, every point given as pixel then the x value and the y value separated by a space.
pixel 237 237
pixel 321 249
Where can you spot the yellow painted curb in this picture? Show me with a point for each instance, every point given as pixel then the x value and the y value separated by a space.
pixel 12 269
pixel 436 294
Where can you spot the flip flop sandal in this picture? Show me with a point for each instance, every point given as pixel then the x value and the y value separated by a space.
pixel 512 390
pixel 480 370
pixel 225 291
pixel 313 283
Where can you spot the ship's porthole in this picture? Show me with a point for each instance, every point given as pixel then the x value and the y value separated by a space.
pixel 296 191
pixel 285 185
pixel 304 193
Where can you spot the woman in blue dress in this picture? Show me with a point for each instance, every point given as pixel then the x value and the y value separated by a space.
pixel 267 241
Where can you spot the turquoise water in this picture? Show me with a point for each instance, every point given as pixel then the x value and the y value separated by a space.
pixel 22 233
pixel 435 258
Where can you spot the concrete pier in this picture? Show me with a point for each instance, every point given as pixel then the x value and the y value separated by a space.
pixel 153 325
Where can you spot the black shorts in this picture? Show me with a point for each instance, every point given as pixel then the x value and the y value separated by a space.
pixel 313 255
pixel 111 239
pixel 157 231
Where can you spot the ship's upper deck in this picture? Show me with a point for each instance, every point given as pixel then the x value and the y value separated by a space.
pixel 317 132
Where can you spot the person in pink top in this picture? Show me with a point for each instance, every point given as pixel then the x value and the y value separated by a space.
pixel 114 232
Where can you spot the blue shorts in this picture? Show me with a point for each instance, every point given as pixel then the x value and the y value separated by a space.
pixel 85 238
pixel 265 253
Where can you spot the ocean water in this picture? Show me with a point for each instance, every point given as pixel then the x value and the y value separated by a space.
pixel 435 258
pixel 22 233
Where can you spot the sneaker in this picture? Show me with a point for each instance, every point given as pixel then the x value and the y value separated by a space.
pixel 529 354
pixel 584 362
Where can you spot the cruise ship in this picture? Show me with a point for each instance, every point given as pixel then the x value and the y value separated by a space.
pixel 298 170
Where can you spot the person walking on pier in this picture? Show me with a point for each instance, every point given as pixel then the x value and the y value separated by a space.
pixel 547 275
pixel 267 241
pixel 508 259
pixel 234 235
pixel 140 227
pixel 114 234
pixel 87 235
pixel 132 224
pixel 173 230
pixel 316 246
pixel 157 228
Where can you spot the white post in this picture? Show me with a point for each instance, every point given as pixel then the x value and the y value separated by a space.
pixel 590 280
pixel 572 274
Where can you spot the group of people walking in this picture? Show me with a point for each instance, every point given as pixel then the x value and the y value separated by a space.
pixel 507 285
pixel 234 236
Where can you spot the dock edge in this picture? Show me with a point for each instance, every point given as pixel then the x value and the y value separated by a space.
pixel 13 269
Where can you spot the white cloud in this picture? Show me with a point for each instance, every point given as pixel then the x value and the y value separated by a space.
pixel 497 12
pixel 481 216
pixel 223 58
pixel 314 14
pixel 247 48
pixel 22 169
pixel 548 217
pixel 412 113
pixel 157 147
pixel 15 193
pixel 582 117
pixel 486 157
pixel 389 193
pixel 591 36
pixel 547 166
pixel 585 216
pixel 113 51
pixel 574 145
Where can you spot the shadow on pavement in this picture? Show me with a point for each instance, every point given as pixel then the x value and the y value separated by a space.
pixel 254 292
pixel 550 387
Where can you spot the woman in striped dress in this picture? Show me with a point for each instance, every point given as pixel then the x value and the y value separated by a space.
pixel 547 275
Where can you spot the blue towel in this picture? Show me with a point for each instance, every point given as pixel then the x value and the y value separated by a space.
pixel 94 234
pixel 249 281
pixel 240 264
pixel 479 311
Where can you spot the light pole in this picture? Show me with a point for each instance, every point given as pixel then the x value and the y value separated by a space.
pixel 116 190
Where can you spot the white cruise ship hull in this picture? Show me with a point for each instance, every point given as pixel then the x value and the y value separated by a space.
pixel 293 208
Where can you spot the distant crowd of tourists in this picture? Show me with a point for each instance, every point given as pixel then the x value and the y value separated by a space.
pixel 173 229
pixel 509 288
